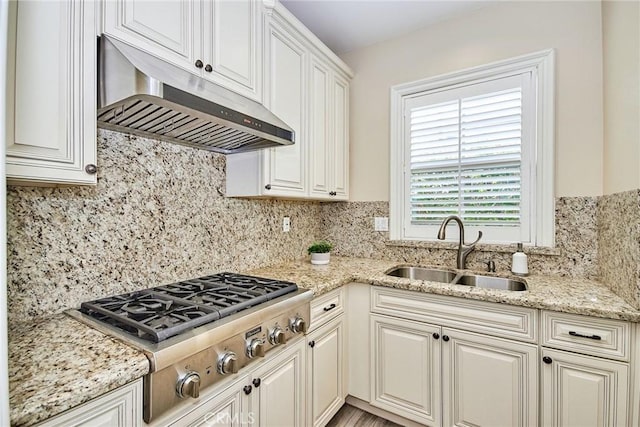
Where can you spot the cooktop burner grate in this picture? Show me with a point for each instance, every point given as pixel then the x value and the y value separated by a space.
pixel 159 313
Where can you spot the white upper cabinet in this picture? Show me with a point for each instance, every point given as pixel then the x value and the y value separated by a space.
pixel 307 87
pixel 167 29
pixel 328 132
pixel 285 77
pixel 218 40
pixel 232 45
pixel 51 97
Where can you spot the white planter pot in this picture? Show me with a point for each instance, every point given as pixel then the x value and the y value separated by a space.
pixel 319 259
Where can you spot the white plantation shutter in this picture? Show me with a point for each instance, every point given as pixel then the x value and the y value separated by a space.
pixel 464 157
pixel 477 143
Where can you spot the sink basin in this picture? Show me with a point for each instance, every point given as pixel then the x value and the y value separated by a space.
pixel 421 273
pixel 446 276
pixel 492 282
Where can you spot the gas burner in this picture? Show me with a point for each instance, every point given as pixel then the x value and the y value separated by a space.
pixel 164 311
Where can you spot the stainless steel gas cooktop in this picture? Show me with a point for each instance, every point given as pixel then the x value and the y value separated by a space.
pixel 197 332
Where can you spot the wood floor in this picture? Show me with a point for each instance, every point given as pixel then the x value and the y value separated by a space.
pixel 348 416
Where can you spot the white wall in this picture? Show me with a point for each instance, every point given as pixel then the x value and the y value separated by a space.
pixel 621 42
pixel 490 34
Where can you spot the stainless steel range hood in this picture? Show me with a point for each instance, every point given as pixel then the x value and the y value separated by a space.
pixel 141 94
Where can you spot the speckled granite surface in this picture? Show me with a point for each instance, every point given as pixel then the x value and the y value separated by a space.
pixel 350 227
pixel 568 295
pixel 157 215
pixel 619 244
pixel 58 363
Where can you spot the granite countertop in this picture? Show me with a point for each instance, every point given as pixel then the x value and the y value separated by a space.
pixel 568 295
pixel 58 363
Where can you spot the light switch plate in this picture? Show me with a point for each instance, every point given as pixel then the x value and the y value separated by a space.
pixel 286 224
pixel 381 223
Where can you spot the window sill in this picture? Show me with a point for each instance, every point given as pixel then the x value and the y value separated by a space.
pixel 510 248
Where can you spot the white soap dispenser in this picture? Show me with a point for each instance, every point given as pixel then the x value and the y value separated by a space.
pixel 519 262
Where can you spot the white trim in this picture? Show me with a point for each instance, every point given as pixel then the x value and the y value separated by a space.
pixel 541 65
pixel 4 341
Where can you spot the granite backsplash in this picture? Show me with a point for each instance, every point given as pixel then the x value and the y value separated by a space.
pixel 350 227
pixel 157 215
pixel 619 244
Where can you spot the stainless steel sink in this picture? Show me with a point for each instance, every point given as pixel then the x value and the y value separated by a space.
pixel 490 282
pixel 421 273
pixel 446 276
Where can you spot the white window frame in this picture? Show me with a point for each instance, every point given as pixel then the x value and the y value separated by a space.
pixel 541 67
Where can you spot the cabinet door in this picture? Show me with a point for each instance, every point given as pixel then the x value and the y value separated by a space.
pixel 232 45
pixel 280 397
pixel 285 89
pixel 170 30
pixel 119 408
pixel 319 130
pixel 406 368
pixel 340 138
pixel 51 96
pixel 583 391
pixel 326 371
pixel 227 408
pixel 488 381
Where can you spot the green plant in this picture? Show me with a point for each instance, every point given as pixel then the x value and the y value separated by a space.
pixel 320 247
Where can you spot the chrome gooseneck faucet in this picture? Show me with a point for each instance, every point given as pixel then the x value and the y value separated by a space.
pixel 463 250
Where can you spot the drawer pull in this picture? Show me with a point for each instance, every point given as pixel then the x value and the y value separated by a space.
pixel 591 337
pixel 330 307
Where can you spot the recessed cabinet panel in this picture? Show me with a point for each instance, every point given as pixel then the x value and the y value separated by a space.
pixel 327 370
pixel 340 128
pixel 286 99
pixel 583 391
pixel 281 396
pixel 168 29
pixel 51 105
pixel 319 129
pixel 488 381
pixel 406 366
pixel 231 46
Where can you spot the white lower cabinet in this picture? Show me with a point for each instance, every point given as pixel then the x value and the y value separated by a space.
pixel 118 408
pixel 488 381
pixel 326 371
pixel 583 391
pixel 271 393
pixel 278 398
pixel 406 368
pixel 424 368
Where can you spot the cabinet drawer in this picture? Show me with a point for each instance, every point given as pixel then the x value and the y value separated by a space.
pixel 495 319
pixel 326 307
pixel 588 335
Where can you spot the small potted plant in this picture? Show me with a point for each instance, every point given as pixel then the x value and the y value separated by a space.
pixel 320 252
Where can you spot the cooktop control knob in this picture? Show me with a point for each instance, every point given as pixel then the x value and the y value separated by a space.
pixel 255 348
pixel 228 363
pixel 277 336
pixel 189 385
pixel 298 325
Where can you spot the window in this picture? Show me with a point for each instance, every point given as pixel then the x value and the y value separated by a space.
pixel 477 144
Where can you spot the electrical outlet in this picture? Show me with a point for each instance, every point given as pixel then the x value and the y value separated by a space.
pixel 381 223
pixel 286 224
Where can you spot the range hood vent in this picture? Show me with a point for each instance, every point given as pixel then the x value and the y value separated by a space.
pixel 141 94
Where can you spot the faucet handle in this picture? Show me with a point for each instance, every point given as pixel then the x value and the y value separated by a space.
pixel 477 240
